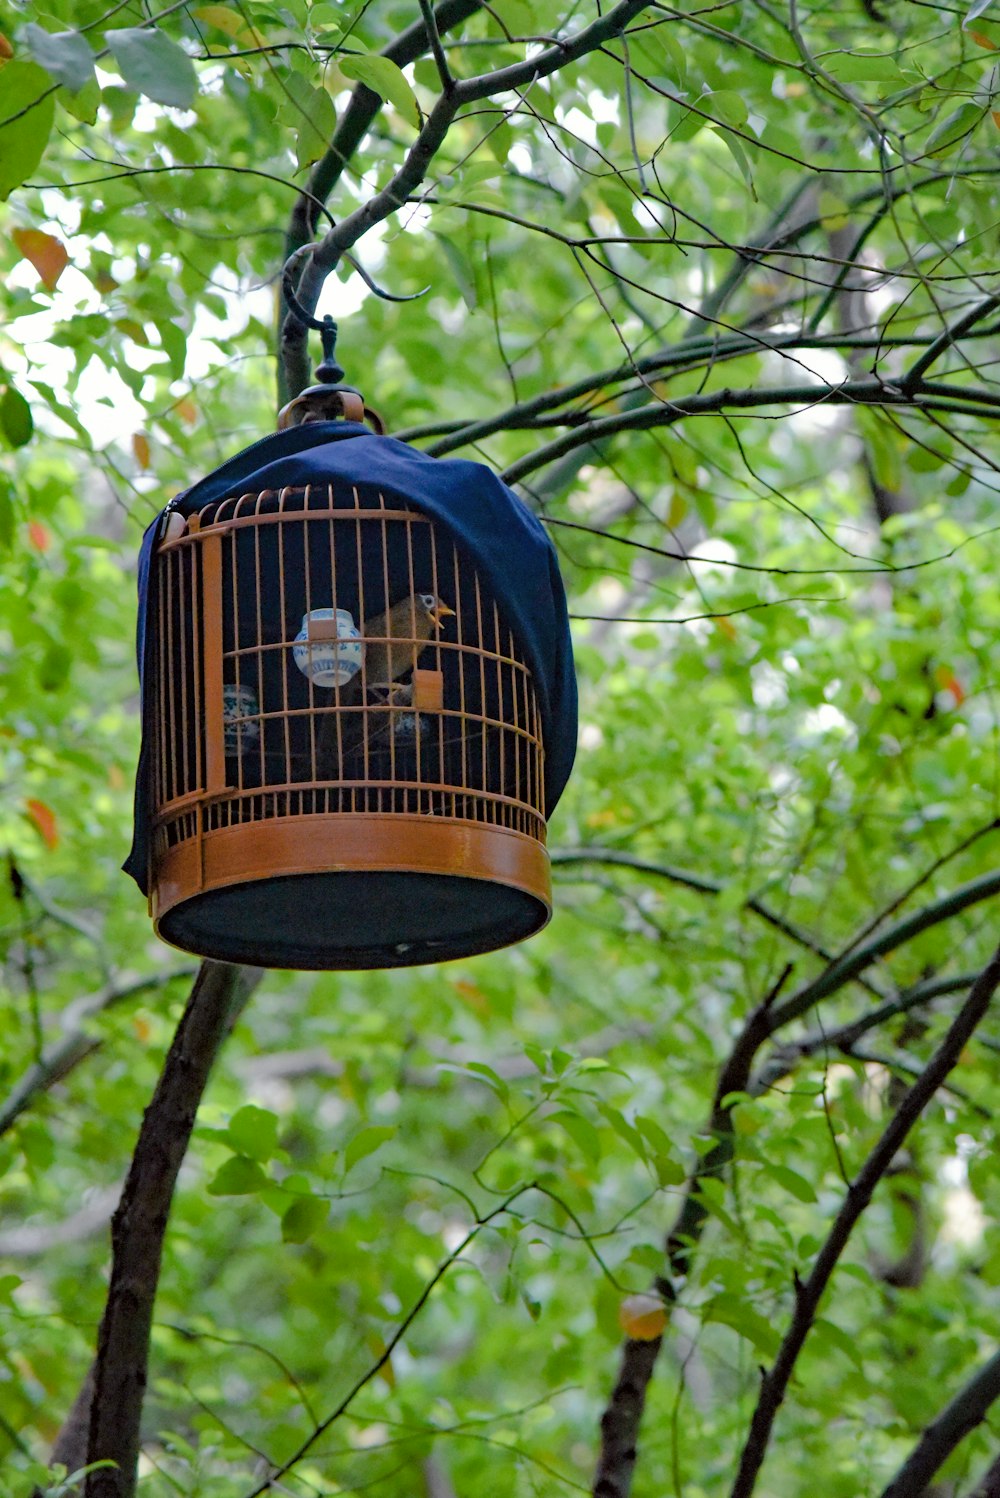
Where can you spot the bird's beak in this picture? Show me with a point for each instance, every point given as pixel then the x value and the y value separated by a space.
pixel 439 610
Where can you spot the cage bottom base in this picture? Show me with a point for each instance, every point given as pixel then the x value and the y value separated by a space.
pixel 343 893
pixel 344 922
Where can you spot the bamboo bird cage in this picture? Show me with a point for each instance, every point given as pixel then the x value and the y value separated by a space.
pixel 339 780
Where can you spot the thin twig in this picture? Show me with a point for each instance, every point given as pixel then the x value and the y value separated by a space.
pixel 434 36
pixel 392 1343
pixel 76 1042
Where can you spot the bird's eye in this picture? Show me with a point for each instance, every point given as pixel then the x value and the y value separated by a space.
pixel 428 600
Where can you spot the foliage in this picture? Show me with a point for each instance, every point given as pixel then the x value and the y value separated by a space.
pixel 684 289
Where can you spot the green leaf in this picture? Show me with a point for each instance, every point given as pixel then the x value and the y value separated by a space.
pixel 712 1195
pixel 83 105
pixel 153 65
pixel 685 122
pixel 386 79
pixel 951 132
pixel 730 1311
pixel 237 1177
pixel 304 1217
pixel 624 1129
pixel 726 106
pixel 64 54
pixel 7 514
pixel 15 417
pixel 865 67
pixel 318 121
pixel 8 1284
pixel 174 341
pixel 516 16
pixel 366 1142
pixel 253 1131
pixel 460 268
pixel 824 1329
pixel 276 1197
pixel 499 141
pixel 792 1182
pixel 735 147
pixel 669 1170
pixel 27 107
pixel 581 1131
pixel 493 1078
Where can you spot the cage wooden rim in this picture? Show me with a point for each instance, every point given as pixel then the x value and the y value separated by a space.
pixel 350 843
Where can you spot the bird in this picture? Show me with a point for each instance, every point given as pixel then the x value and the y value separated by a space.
pixel 393 640
pixel 393 643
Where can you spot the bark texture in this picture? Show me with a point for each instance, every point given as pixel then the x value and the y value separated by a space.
pixel 118 1376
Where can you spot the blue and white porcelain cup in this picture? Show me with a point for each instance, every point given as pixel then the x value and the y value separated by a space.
pixel 329 663
pixel 240 724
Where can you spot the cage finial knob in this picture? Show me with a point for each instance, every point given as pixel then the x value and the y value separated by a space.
pixel 329 372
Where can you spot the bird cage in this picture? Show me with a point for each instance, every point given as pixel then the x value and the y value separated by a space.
pixel 352 656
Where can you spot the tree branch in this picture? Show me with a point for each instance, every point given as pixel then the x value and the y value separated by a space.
pixel 857 958
pixel 809 1293
pixel 784 1057
pixel 988 1485
pixel 623 1414
pixel 967 1410
pixel 912 379
pixel 139 1224
pixel 326 255
pixel 434 37
pixel 621 1419
pixel 567 857
pixel 357 118
pixel 293 365
pixel 872 392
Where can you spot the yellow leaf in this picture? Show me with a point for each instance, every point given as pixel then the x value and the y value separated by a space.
pixel 945 676
pixel 996 117
pixel 44 818
pixel 105 282
pixel 134 330
pixel 642 1317
pixel 234 26
pixel 140 449
pixel 726 627
pixel 6 50
pixel 982 41
pixel 377 1348
pixel 678 509
pixel 473 996
pixel 223 19
pixel 834 212
pixel 187 410
pixel 38 535
pixel 47 254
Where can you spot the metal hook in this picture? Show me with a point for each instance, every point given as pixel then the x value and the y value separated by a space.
pixel 308 321
pixel 386 296
pixel 295 306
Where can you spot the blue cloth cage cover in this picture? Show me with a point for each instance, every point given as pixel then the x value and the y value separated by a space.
pixel 315 514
